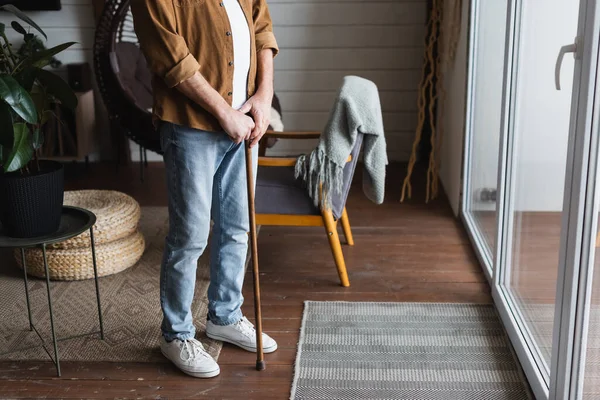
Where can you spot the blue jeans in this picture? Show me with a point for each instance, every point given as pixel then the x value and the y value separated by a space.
pixel 206 178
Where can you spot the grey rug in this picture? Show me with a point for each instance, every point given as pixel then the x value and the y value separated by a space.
pixel 130 305
pixel 404 351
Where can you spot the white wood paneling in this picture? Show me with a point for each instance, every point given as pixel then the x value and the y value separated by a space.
pixel 323 41
pixel 350 36
pixel 340 12
pixel 329 80
pixel 70 16
pixel 84 37
pixel 452 120
pixel 391 101
pixel 74 23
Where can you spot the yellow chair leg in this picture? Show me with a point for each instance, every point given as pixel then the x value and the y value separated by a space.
pixel 336 247
pixel 346 226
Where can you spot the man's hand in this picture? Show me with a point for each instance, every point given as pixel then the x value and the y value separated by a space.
pixel 259 106
pixel 237 125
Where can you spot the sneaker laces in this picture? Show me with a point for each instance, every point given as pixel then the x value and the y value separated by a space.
pixel 246 328
pixel 192 349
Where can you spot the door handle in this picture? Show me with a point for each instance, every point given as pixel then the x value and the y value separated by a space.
pixel 570 48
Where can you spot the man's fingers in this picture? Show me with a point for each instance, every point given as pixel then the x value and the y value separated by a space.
pixel 257 129
pixel 246 108
pixel 264 125
pixel 256 140
pixel 260 127
pixel 248 135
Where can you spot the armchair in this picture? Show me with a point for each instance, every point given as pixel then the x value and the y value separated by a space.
pixel 281 200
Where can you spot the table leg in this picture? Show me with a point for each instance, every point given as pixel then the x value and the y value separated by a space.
pixel 97 286
pixel 26 288
pixel 57 361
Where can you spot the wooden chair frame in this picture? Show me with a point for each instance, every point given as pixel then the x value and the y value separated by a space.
pixel 326 219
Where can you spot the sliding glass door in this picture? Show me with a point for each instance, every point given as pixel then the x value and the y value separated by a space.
pixel 530 182
pixel 537 141
pixel 483 127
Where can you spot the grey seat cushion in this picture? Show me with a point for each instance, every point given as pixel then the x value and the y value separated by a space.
pixel 133 74
pixel 278 192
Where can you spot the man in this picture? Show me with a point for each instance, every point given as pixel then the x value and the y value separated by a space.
pixel 212 62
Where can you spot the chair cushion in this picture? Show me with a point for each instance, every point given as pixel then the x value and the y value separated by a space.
pixel 278 192
pixel 133 74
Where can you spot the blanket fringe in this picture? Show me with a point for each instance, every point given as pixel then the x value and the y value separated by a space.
pixel 323 178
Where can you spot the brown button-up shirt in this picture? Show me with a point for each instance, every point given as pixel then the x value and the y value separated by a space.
pixel 180 37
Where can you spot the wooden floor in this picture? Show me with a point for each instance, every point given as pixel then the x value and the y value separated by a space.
pixel 404 252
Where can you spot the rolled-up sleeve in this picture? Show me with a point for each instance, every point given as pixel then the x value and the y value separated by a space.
pixel 263 27
pixel 166 51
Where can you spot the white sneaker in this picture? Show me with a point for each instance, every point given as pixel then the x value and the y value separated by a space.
pixel 242 334
pixel 190 357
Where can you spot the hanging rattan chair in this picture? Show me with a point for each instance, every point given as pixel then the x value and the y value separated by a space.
pixel 124 79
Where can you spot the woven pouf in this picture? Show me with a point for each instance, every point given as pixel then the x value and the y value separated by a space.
pixel 119 245
pixel 117 216
pixel 76 264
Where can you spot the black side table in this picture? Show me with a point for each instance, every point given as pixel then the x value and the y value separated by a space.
pixel 74 221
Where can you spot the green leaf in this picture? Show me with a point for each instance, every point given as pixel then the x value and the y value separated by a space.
pixel 6 125
pixel 44 57
pixel 57 87
pixel 22 16
pixel 18 98
pixel 37 138
pixel 48 114
pixel 26 77
pixel 40 99
pixel 2 28
pixel 18 27
pixel 22 151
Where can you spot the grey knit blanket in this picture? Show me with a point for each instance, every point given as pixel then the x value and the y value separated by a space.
pixel 357 109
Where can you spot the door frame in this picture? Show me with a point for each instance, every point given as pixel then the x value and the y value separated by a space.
pixel 575 271
pixel 474 231
pixel 518 333
pixel 576 255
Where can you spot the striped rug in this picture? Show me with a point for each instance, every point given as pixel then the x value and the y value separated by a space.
pixel 404 351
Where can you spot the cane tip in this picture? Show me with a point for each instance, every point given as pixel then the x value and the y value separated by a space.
pixel 261 365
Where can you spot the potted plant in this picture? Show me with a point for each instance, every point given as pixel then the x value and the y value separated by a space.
pixel 31 190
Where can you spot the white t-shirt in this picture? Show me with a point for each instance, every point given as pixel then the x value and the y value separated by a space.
pixel 241 51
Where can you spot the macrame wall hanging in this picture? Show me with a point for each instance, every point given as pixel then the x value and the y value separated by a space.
pixel 443 31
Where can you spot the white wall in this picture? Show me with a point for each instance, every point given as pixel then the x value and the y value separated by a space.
pixel 452 119
pixel 74 23
pixel 322 41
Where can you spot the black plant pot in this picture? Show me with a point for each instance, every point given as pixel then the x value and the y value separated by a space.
pixel 31 204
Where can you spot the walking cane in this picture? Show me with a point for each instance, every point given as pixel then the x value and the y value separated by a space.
pixel 260 362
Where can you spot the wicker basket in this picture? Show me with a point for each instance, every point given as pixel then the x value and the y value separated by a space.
pixel 117 216
pixel 76 264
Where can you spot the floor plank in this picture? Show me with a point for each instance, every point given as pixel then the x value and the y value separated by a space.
pixel 410 252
